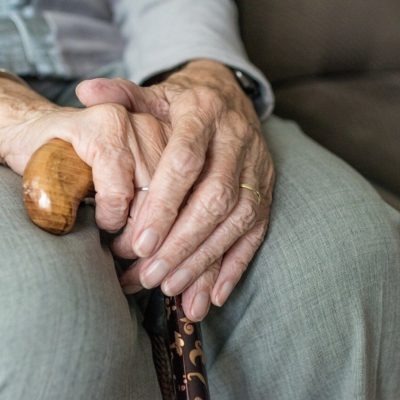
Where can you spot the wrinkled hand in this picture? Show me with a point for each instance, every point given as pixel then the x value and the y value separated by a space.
pixel 196 231
pixel 122 149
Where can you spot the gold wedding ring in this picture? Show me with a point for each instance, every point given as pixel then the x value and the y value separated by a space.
pixel 252 189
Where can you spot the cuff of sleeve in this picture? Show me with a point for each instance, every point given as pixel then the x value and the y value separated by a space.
pixel 163 62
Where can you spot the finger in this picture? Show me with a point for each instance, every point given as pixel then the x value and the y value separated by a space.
pixel 122 244
pixel 238 257
pixel 235 263
pixel 151 137
pixel 196 300
pixel 132 289
pixel 130 281
pixel 120 91
pixel 147 150
pixel 179 167
pixel 107 151
pixel 112 178
pixel 240 221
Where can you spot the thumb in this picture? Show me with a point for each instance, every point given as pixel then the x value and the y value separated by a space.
pixel 120 91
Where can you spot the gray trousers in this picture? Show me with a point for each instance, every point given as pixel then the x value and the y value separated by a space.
pixel 317 315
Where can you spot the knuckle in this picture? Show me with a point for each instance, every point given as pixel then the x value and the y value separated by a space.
pixel 239 267
pixel 241 125
pixel 163 210
pixel 111 121
pixel 246 216
pixel 208 279
pixel 111 152
pixel 215 268
pixel 104 221
pixel 181 245
pixel 114 200
pixel 113 205
pixel 256 240
pixel 116 110
pixel 206 257
pixel 187 161
pixel 196 121
pixel 209 97
pixel 204 282
pixel 111 113
pixel 220 200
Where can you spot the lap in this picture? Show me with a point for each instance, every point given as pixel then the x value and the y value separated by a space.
pixel 315 313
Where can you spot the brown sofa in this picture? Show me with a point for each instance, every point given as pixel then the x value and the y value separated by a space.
pixel 335 69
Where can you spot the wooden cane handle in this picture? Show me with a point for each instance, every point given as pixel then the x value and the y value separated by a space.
pixel 54 183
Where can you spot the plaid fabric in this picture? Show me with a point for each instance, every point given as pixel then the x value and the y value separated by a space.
pixel 43 39
pixel 27 45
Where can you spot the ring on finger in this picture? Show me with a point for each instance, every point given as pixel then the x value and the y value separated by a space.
pixel 142 189
pixel 253 190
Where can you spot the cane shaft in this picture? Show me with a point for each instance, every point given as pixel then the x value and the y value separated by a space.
pixel 187 356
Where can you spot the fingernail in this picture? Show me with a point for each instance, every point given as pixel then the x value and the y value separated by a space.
pixel 200 305
pixel 132 289
pixel 154 274
pixel 146 243
pixel 224 293
pixel 177 282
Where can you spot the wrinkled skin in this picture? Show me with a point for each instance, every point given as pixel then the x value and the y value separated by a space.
pixel 122 149
pixel 192 139
pixel 196 231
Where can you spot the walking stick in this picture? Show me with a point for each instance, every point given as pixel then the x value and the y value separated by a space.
pixel 55 182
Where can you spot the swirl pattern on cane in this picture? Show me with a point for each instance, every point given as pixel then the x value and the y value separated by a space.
pixel 188 327
pixel 196 352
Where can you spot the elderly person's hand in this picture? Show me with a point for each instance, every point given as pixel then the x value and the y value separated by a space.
pixel 122 149
pixel 197 230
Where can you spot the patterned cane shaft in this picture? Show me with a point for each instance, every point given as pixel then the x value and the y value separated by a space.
pixel 162 364
pixel 187 358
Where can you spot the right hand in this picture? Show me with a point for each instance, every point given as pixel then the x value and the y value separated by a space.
pixel 121 148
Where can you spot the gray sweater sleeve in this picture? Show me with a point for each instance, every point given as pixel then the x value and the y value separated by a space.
pixel 162 34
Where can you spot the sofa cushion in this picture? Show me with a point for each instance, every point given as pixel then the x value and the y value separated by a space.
pixel 292 38
pixel 357 118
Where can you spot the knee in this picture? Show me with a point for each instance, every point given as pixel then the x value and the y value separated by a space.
pixel 331 244
pixel 57 279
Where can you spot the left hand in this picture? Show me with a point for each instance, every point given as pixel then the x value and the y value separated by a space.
pixel 197 231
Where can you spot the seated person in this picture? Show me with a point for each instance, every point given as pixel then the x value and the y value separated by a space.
pixel 306 310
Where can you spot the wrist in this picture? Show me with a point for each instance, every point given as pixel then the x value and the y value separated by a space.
pixel 231 81
pixel 211 67
pixel 13 77
pixel 207 73
pixel 18 105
